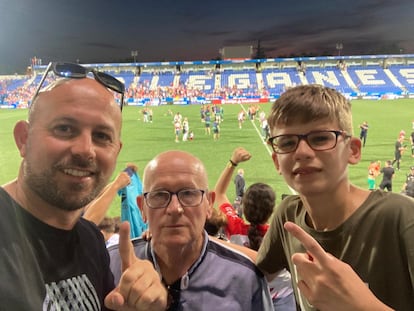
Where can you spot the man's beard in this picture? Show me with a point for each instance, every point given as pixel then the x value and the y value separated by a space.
pixel 47 188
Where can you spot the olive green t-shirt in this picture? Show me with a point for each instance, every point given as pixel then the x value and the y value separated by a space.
pixel 377 241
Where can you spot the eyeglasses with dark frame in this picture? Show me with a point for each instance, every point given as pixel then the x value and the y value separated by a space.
pixel 162 198
pixel 76 71
pixel 317 140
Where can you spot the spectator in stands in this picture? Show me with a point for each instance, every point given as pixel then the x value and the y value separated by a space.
pixel 129 209
pixel 198 272
pixel 107 227
pixel 258 204
pixel 69 147
pixel 239 155
pixel 215 224
pixel 96 210
pixel 363 132
pixel 325 234
pixel 117 222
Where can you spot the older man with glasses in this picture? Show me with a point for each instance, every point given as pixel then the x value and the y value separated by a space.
pixel 50 257
pixel 200 274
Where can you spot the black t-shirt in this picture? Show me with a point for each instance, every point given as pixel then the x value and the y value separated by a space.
pixel 42 267
pixel 387 174
pixel 410 185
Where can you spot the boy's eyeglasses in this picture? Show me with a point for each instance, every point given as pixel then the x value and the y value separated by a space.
pixel 162 198
pixel 76 71
pixel 317 140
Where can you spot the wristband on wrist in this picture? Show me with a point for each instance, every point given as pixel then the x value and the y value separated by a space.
pixel 233 163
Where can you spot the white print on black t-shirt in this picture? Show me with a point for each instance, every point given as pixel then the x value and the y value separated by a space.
pixel 76 293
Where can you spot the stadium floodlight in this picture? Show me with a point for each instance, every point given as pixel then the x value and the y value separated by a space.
pixel 134 54
pixel 339 47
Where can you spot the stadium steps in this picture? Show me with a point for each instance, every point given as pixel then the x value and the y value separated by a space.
pixel 154 82
pixel 302 78
pixel 394 79
pixel 217 81
pixel 135 81
pixel 259 79
pixel 176 80
pixel 348 80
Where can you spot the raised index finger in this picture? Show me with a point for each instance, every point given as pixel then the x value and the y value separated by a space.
pixel 126 249
pixel 311 245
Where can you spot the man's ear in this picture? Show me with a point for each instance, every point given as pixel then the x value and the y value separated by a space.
pixel 120 147
pixel 21 134
pixel 140 203
pixel 211 198
pixel 355 150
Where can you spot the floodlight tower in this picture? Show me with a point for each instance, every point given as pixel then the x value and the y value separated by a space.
pixel 134 54
pixel 339 47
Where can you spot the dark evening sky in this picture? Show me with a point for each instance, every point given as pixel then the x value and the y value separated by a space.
pixel 170 30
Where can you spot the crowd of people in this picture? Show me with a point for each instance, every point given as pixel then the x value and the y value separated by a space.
pixel 22 95
pixel 211 117
pixel 331 246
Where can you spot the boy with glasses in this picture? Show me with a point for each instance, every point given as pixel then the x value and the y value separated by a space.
pixel 347 248
pixel 50 257
pixel 199 273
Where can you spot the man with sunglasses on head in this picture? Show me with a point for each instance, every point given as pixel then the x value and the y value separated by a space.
pixel 50 257
pixel 199 273
pixel 347 248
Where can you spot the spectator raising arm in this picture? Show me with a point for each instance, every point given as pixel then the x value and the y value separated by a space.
pixel 97 209
pixel 239 155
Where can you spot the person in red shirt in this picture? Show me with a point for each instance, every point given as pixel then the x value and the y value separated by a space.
pixel 258 207
pixel 258 203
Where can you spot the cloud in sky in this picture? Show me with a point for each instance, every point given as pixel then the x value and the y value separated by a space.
pixel 108 30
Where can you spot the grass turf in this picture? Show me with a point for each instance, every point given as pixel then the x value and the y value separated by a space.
pixel 142 141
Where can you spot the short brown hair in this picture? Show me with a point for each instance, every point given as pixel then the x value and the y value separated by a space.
pixel 107 225
pixel 307 103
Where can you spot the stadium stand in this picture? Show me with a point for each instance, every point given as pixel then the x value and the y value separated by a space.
pixel 252 80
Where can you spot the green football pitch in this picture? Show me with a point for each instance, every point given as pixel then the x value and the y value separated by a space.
pixel 142 141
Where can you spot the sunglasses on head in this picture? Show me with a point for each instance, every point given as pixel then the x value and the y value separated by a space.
pixel 76 71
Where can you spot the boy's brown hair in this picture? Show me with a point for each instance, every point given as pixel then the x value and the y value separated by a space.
pixel 307 103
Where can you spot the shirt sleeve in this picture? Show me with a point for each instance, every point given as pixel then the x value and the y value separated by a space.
pixel 235 224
